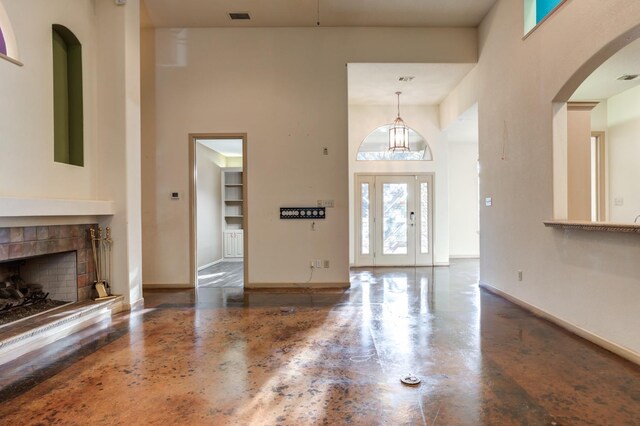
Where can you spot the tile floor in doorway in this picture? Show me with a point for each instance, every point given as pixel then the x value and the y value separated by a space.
pixel 223 274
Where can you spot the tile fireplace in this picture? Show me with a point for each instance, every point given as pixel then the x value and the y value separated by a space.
pixel 58 257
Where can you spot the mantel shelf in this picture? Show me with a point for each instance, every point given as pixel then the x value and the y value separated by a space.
pixel 41 207
pixel 594 226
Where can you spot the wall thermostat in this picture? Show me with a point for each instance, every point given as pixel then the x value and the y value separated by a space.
pixel 121 2
pixel 175 195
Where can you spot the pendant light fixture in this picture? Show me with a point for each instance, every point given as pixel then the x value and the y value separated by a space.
pixel 398 133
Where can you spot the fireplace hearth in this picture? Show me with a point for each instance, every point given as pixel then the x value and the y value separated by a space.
pixel 43 268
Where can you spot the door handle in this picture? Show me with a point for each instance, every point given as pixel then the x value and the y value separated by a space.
pixel 412 216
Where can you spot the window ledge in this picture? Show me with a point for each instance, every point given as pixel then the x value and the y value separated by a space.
pixel 594 226
pixel 30 207
pixel 12 60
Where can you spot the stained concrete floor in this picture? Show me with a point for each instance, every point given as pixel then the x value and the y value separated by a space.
pixel 221 356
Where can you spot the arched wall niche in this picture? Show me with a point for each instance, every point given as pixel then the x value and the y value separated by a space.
pixel 567 123
pixel 8 43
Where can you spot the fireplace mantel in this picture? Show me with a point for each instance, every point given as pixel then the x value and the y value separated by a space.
pixel 32 207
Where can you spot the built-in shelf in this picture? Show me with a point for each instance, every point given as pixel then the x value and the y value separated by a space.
pixel 37 207
pixel 233 213
pixel 594 226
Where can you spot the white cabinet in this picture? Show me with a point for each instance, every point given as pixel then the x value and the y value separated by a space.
pixel 233 243
pixel 232 212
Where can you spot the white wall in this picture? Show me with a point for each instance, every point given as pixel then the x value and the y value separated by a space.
pixel 464 238
pixel 111 82
pixel 590 280
pixel 363 119
pixel 26 104
pixel 623 146
pixel 599 120
pixel 287 89
pixel 209 203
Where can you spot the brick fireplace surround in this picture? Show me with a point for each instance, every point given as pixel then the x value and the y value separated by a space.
pixel 29 241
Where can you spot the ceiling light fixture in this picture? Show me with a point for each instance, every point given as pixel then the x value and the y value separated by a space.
pixel 398 133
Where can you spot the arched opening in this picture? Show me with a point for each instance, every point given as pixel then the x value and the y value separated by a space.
pixel 597 137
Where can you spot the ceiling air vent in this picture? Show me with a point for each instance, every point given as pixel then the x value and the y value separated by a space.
pixel 239 16
pixel 628 77
pixel 406 78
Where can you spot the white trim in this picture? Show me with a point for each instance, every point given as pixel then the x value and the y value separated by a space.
pixel 464 256
pixel 138 304
pixel 88 313
pixel 215 262
pixel 617 349
pixel 23 207
pixel 289 286
pixel 441 264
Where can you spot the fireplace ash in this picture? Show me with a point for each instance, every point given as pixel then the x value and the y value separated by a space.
pixel 19 299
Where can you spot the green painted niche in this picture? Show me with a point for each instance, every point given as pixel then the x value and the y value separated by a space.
pixel 68 126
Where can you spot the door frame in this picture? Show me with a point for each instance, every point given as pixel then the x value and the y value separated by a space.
pixel 193 202
pixel 358 207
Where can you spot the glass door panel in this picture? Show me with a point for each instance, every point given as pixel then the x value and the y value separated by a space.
pixel 394 214
pixel 395 228
pixel 424 193
pixel 365 218
pixel 424 217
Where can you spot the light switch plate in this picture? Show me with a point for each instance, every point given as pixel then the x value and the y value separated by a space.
pixel 488 201
pixel 618 201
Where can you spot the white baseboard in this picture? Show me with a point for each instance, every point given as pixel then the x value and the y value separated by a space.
pixel 215 262
pixel 441 264
pixel 38 337
pixel 465 256
pixel 233 259
pixel 292 286
pixel 138 304
pixel 579 331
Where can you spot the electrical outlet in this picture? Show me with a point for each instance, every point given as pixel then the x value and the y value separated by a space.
pixel 325 203
pixel 519 275
pixel 325 264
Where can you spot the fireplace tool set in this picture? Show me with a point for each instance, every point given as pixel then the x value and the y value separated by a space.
pixel 101 248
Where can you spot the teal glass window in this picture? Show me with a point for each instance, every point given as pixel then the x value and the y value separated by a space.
pixel 535 11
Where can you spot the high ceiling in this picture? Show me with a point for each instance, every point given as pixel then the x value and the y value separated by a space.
pixel 603 82
pixel 333 13
pixel 376 84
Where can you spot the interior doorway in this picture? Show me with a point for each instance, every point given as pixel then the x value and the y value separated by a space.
pixel 394 220
pixel 219 200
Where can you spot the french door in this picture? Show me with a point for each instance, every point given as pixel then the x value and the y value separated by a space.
pixel 394 220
